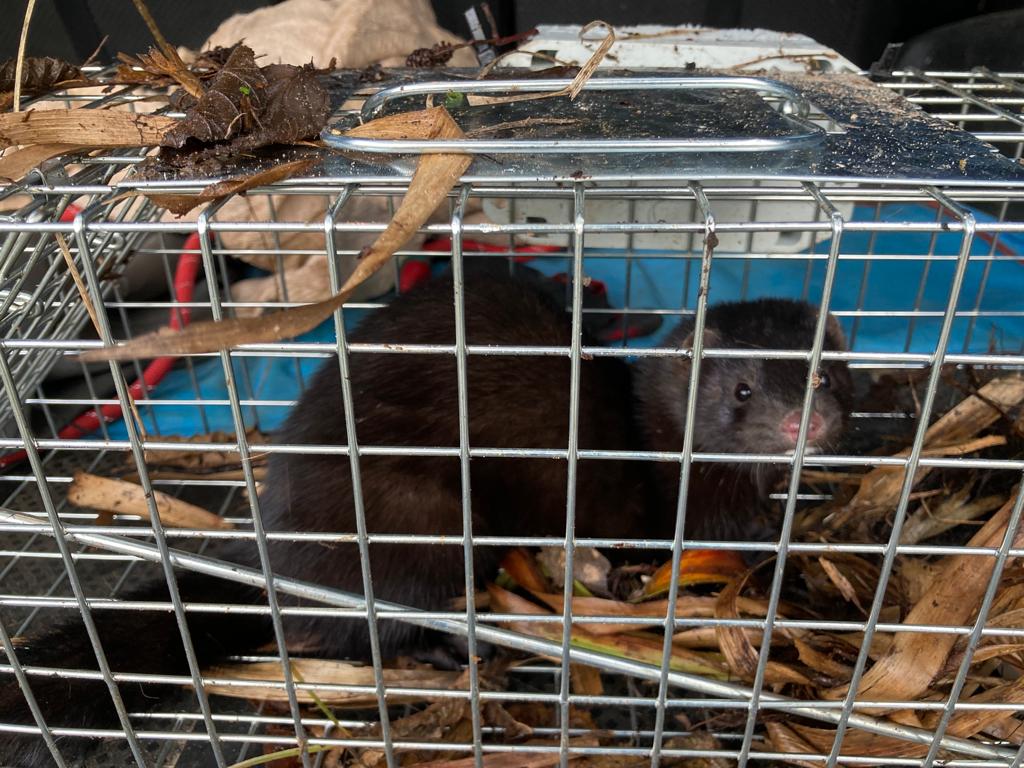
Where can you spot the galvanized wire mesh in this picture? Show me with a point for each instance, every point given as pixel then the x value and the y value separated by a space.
pixel 588 222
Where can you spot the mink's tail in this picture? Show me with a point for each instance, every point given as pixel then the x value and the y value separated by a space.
pixel 146 642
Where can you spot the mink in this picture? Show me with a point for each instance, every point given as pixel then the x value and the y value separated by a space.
pixel 401 399
pixel 744 405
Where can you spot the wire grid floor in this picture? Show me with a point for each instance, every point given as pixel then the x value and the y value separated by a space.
pixel 983 102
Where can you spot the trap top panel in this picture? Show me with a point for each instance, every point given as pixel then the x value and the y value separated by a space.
pixel 654 125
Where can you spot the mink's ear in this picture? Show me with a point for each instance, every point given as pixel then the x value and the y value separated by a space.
pixel 712 338
pixel 834 335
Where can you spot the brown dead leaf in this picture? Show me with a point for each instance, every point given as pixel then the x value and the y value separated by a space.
pixel 821 662
pixel 914 658
pixel 951 511
pixel 522 567
pixel 880 488
pixel 842 583
pixel 586 680
pixel 325 672
pixel 17 162
pixel 121 498
pixel 636 645
pixel 180 204
pixel 697 566
pixel 84 127
pixel 785 740
pixel 435 175
pixel 736 646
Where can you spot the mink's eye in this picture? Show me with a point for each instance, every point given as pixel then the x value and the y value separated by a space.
pixel 824 382
pixel 743 392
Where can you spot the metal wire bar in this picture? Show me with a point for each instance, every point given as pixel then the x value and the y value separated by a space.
pixel 354 452
pixel 459 288
pixel 72 574
pixel 156 525
pixel 572 459
pixel 686 458
pixel 911 469
pixel 203 229
pixel 799 450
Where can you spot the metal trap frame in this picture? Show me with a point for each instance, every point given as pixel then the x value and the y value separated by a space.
pixel 835 178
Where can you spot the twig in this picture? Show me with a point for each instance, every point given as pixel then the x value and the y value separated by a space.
pixel 572 90
pixel 91 309
pixel 21 54
pixel 94 54
pixel 524 123
pixel 79 283
pixel 182 74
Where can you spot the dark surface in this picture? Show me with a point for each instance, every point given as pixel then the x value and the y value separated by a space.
pixel 859 30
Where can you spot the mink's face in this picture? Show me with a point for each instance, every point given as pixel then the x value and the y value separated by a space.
pixel 754 406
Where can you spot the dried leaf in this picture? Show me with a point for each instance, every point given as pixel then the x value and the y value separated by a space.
pixel 179 204
pixel 17 162
pixel 739 651
pixel 233 95
pixel 589 567
pixel 950 512
pixel 914 658
pixel 964 725
pixel 87 127
pixel 842 583
pixel 200 461
pixel 786 741
pixel 586 681
pixel 296 107
pixel 160 64
pixel 435 175
pixel 821 662
pixel 697 566
pixel 632 646
pixel 511 759
pixel 880 488
pixel 121 498
pixel 39 74
pixel 325 672
pixel 522 567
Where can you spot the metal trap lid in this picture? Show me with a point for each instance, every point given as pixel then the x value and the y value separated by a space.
pixel 676 124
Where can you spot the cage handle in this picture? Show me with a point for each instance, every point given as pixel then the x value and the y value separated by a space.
pixel 793 105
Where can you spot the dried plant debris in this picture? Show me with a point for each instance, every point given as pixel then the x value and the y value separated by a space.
pixel 248 106
pixel 436 55
pixel 228 106
pixel 38 75
pixel 118 497
pixel 808 659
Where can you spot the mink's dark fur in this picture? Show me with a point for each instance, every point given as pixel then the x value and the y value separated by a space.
pixel 400 400
pixel 724 497
pixel 411 400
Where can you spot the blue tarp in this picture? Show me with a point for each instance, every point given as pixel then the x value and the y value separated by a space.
pixel 892 285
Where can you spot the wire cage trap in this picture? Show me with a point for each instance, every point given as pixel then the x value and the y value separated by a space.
pixel 895 202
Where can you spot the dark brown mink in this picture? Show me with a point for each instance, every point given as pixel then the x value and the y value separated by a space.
pixel 514 402
pixel 411 400
pixel 743 406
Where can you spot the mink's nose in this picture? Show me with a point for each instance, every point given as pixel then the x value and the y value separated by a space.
pixel 791 426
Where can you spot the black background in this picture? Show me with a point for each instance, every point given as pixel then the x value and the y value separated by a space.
pixel 984 32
